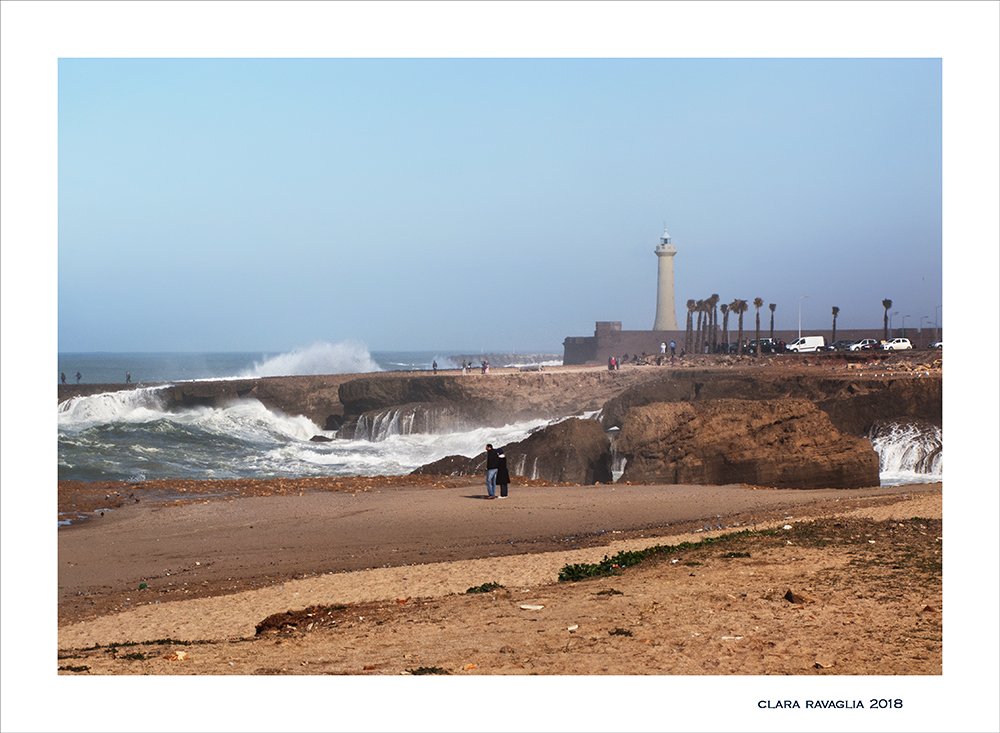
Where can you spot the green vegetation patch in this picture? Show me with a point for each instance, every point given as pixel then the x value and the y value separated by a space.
pixel 625 559
pixel 427 670
pixel 485 588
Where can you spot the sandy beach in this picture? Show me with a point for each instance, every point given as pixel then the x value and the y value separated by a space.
pixel 376 579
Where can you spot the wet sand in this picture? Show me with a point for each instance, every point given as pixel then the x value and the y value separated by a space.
pixel 209 546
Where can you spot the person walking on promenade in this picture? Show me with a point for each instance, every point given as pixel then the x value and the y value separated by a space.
pixel 128 378
pixel 503 478
pixel 78 377
pixel 673 347
pixel 434 366
pixel 663 348
pixel 62 376
pixel 492 466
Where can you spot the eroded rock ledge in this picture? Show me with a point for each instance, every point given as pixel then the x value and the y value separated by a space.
pixel 775 443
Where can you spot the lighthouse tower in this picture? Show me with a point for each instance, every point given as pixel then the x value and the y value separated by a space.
pixel 666 317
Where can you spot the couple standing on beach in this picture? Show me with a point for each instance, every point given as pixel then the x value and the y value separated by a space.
pixel 496 472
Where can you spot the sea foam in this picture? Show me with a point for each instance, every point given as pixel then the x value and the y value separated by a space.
pixel 346 357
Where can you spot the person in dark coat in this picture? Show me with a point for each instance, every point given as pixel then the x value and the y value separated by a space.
pixel 492 466
pixel 503 478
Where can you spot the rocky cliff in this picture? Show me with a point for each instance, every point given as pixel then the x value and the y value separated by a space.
pixel 846 399
pixel 776 443
pixel 853 402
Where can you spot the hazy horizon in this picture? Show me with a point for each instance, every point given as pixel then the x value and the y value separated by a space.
pixel 247 204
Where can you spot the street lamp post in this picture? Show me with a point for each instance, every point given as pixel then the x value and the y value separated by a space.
pixel 904 324
pixel 800 313
pixel 894 313
pixel 937 322
pixel 922 319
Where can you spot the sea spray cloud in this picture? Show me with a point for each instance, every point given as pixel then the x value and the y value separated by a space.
pixel 346 357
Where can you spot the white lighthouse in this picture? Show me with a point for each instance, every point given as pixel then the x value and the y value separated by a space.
pixel 666 316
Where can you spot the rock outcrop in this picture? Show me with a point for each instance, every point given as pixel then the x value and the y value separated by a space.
pixel 853 404
pixel 573 451
pixel 776 443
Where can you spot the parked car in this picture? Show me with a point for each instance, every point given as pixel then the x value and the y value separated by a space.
pixel 805 344
pixel 863 345
pixel 934 345
pixel 897 344
pixel 767 346
pixel 841 345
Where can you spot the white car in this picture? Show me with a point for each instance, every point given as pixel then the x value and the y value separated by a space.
pixel 863 344
pixel 897 345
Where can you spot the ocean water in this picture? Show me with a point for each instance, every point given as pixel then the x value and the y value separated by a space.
pixel 128 436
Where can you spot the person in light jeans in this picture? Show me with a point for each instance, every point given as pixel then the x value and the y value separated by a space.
pixel 492 466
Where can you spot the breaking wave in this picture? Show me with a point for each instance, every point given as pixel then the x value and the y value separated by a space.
pixel 346 357
pixel 908 452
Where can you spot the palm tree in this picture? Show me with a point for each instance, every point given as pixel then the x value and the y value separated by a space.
pixel 706 337
pixel 700 335
pixel 836 310
pixel 887 304
pixel 757 303
pixel 772 306
pixel 725 322
pixel 687 333
pixel 739 307
pixel 714 321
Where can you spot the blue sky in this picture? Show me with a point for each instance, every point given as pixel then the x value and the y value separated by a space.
pixel 495 204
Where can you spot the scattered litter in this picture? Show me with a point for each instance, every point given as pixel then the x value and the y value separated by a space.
pixel 871 542
pixel 574 627
pixel 176 656
pixel 469 666
pixel 528 607
pixel 735 638
pixel 787 526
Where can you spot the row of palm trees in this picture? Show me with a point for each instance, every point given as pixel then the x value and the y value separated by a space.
pixel 706 332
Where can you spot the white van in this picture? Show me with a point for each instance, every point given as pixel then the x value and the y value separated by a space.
pixel 807 343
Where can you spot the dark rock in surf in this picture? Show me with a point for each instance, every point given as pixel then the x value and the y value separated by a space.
pixel 573 451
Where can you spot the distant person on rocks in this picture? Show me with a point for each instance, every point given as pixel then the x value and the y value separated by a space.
pixel 128 378
pixel 492 466
pixel 673 347
pixel 503 478
pixel 663 348
pixel 62 376
pixel 434 366
pixel 611 363
pixel 78 377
